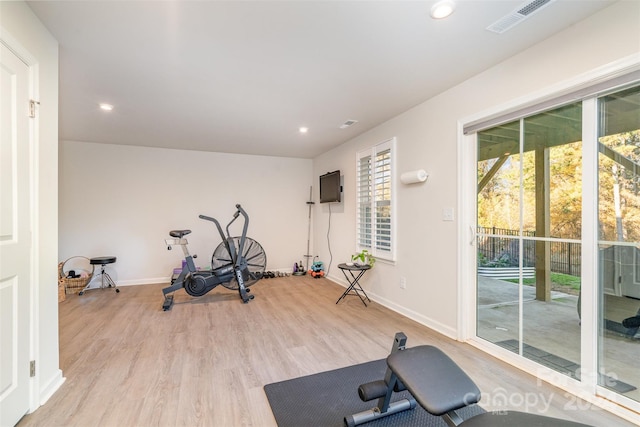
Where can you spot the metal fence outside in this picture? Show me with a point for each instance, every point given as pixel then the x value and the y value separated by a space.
pixel 499 246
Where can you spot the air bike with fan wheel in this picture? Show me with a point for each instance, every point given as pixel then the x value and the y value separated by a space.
pixel 237 263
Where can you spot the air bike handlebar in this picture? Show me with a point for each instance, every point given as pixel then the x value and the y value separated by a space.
pixel 239 211
pixel 246 219
pixel 244 227
pixel 215 221
pixel 236 214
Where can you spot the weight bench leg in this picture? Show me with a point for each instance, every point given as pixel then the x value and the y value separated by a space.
pixel 373 414
pixel 382 390
pixel 452 419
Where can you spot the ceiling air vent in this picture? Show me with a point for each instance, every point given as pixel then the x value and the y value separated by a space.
pixel 348 123
pixel 523 12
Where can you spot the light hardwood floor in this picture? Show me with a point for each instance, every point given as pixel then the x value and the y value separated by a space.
pixel 128 363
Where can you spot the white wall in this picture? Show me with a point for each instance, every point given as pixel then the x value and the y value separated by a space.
pixel 427 138
pixel 123 201
pixel 20 24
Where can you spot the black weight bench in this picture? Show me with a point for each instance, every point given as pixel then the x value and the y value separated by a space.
pixel 441 387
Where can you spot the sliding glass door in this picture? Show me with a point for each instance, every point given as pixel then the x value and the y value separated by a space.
pixel 619 240
pixel 530 238
pixel 529 221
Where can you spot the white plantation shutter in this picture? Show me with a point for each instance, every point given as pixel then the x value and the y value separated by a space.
pixel 363 191
pixel 382 199
pixel 374 200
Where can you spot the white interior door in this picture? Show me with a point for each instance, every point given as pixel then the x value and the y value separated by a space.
pixel 15 237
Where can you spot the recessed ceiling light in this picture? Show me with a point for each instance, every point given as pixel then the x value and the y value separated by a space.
pixel 442 9
pixel 106 107
pixel 303 130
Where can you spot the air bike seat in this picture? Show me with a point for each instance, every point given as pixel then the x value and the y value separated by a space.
pixel 441 387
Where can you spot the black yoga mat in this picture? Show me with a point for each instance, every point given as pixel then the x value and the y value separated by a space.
pixel 324 399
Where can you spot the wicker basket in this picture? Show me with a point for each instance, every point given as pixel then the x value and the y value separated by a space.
pixel 61 291
pixel 73 286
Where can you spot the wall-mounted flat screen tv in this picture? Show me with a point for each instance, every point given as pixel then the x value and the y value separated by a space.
pixel 330 188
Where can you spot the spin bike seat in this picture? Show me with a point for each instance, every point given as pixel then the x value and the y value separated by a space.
pixel 179 234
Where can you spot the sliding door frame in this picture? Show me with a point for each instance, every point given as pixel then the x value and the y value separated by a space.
pixel 587 389
pixel 589 265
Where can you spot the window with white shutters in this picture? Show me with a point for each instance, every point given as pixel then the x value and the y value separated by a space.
pixel 374 200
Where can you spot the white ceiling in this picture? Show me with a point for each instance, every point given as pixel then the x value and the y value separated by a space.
pixel 243 76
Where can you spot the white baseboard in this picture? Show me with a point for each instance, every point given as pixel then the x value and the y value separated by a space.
pixel 47 390
pixel 423 320
pixel 148 281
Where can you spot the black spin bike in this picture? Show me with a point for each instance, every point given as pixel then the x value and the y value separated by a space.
pixel 237 263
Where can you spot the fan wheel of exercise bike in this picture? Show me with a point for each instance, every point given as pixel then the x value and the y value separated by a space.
pixel 253 254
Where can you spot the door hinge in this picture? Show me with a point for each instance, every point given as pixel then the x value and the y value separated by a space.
pixel 32 368
pixel 32 108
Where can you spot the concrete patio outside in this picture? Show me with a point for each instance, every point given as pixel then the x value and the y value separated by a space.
pixel 551 331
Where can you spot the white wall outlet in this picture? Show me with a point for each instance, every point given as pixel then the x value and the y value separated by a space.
pixel 447 214
pixel 403 283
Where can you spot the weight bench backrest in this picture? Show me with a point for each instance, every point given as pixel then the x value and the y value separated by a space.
pixel 434 380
